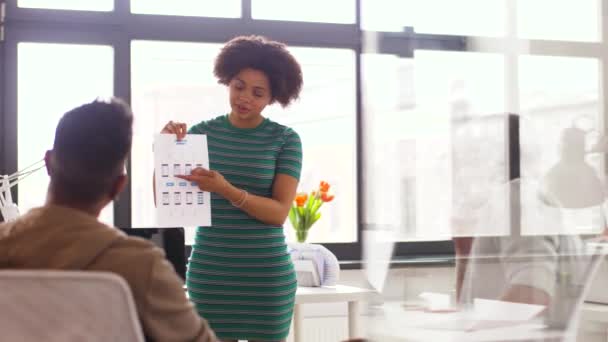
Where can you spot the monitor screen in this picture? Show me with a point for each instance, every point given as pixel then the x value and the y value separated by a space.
pixel 171 240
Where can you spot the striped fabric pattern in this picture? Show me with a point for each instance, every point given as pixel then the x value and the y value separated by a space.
pixel 240 275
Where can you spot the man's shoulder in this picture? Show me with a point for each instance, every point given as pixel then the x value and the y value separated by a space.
pixel 133 258
pixel 5 229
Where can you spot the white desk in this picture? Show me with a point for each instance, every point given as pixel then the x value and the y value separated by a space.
pixel 593 324
pixel 393 323
pixel 595 312
pixel 333 294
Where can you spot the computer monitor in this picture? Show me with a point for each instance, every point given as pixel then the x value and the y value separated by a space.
pixel 171 240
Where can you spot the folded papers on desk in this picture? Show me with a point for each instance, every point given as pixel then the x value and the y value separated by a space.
pixel 315 265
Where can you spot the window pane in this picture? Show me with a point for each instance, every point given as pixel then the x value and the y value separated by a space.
pixel 175 81
pixel 335 11
pixel 89 5
pixel 325 120
pixel 549 104
pixel 464 17
pixel 224 8
pixel 170 81
pixel 411 108
pixel 52 79
pixel 575 20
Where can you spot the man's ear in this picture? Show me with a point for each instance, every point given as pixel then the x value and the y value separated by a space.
pixel 118 186
pixel 47 161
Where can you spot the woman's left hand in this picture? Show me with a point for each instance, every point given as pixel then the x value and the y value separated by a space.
pixel 207 180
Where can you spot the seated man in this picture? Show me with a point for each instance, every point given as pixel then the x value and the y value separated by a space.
pixel 87 171
pixel 522 249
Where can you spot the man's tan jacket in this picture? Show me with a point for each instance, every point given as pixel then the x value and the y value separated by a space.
pixel 54 237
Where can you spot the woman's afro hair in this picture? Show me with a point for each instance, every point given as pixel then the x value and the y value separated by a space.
pixel 270 57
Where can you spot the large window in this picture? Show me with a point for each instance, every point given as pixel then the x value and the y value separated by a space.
pixel 51 79
pixel 167 74
pixel 462 17
pixel 169 81
pixel 400 109
pixel 224 8
pixel 335 11
pixel 325 118
pixel 408 110
pixel 565 20
pixel 436 134
pixel 90 5
pixel 174 81
pixel 549 106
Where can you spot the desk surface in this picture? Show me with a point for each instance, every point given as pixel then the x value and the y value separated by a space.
pixel 393 323
pixel 329 294
pixel 595 312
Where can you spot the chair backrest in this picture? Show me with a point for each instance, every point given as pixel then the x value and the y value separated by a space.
pixel 42 305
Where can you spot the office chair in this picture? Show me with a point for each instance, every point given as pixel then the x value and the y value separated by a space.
pixel 42 305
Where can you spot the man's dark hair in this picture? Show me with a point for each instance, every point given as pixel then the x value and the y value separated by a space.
pixel 270 57
pixel 91 145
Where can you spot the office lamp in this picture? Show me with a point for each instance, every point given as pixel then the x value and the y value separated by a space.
pixel 171 240
pixel 8 208
pixel 572 181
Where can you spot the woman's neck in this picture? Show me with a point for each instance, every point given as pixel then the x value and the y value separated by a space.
pixel 249 123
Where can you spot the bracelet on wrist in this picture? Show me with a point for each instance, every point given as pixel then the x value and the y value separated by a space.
pixel 241 201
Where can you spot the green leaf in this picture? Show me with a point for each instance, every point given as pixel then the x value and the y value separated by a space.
pixel 306 219
pixel 293 216
pixel 317 205
pixel 316 217
pixel 309 203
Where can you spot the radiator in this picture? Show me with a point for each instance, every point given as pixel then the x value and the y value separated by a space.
pixel 324 329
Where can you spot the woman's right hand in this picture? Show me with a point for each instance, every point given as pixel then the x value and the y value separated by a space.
pixel 179 129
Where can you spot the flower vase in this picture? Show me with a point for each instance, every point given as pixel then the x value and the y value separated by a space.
pixel 301 235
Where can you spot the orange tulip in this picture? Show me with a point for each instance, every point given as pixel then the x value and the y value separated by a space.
pixel 324 186
pixel 325 197
pixel 301 199
pixel 305 209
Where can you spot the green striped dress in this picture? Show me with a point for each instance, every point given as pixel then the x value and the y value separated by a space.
pixel 240 275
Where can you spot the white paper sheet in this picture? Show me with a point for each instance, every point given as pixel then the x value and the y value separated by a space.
pixel 180 203
pixel 378 246
pixel 438 301
pixel 496 310
pixel 486 314
pixel 306 273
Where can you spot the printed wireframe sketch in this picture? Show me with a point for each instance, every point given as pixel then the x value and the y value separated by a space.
pixel 178 206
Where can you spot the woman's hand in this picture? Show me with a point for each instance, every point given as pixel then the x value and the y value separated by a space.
pixel 177 128
pixel 207 180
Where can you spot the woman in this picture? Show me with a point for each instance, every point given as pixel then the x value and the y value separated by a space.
pixel 240 276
